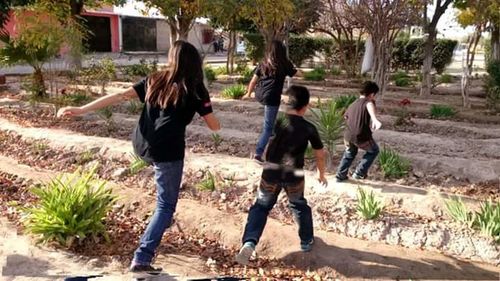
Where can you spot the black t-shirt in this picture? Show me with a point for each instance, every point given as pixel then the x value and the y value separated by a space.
pixel 287 147
pixel 159 135
pixel 269 88
pixel 358 120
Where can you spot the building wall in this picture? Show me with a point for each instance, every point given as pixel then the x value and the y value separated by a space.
pixel 115 32
pixel 162 36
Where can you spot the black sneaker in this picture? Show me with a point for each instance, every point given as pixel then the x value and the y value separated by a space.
pixel 139 268
pixel 258 159
pixel 339 179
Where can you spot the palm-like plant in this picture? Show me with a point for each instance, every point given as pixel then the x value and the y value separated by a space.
pixel 328 119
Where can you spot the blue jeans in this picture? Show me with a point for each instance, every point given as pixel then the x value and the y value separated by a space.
pixel 350 153
pixel 270 113
pixel 266 198
pixel 168 176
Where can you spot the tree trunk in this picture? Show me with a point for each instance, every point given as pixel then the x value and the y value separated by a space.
pixel 173 34
pixel 426 87
pixel 467 65
pixel 39 82
pixel 74 58
pixel 380 64
pixel 495 43
pixel 230 51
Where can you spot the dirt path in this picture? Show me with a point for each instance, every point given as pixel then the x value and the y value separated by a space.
pixel 332 253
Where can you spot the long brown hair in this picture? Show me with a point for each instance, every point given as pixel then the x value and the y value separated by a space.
pixel 275 59
pixel 183 72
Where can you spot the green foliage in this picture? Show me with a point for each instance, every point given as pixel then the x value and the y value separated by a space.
pixel 402 82
pixel 247 75
pixel 368 207
pixel 459 212
pixel 105 113
pixel 281 120
pixel 234 92
pixel 134 107
pixel 343 102
pixel 208 182
pixel 217 140
pixel 136 164
pixel 309 153
pixel 408 54
pixel 335 71
pixel 302 48
pixel 77 97
pixel 99 73
pixel 84 157
pixel 142 69
pixel 39 146
pixel 255 46
pixel 392 164
pixel 492 86
pixel 70 208
pixel 210 75
pixel 488 219
pixel 442 111
pixel 221 70
pixel 317 74
pixel 445 78
pixel 329 121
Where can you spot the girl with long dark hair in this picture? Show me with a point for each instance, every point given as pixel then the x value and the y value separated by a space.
pixel 171 98
pixel 268 80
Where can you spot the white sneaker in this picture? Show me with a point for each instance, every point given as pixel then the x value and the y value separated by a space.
pixel 246 252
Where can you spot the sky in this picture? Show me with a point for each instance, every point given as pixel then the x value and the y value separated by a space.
pixel 447 26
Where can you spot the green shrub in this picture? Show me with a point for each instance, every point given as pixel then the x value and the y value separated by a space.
pixel 234 92
pixel 392 164
pixel 335 71
pixel 442 111
pixel 399 75
pixel 492 86
pixel 282 120
pixel 459 212
pixel 255 46
pixel 208 182
pixel 317 74
pixel 210 75
pixel 367 207
pixel 343 102
pixel 70 208
pixel 76 98
pixel 488 219
pixel 134 107
pixel 221 70
pixel 247 75
pixel 302 48
pixel 100 73
pixel 136 164
pixel 445 79
pixel 84 157
pixel 402 82
pixel 309 153
pixel 143 68
pixel 329 121
pixel 217 140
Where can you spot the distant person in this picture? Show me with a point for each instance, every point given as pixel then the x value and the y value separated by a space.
pixel 220 43
pixel 216 45
pixel 268 80
pixel 361 120
pixel 171 98
pixel 284 169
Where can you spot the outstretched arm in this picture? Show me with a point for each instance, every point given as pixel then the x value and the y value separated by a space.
pixel 98 104
pixel 212 122
pixel 371 110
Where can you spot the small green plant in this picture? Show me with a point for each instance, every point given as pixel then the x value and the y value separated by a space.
pixel 402 82
pixel 136 164
pixel 221 70
pixel 335 71
pixel 329 121
pixel 70 208
pixel 442 111
pixel 343 102
pixel 134 107
pixel 309 153
pixel 459 212
pixel 234 92
pixel 488 219
pixel 392 164
pixel 368 207
pixel 445 78
pixel 84 157
pixel 100 73
pixel 208 182
pixel 39 146
pixel 142 69
pixel 210 75
pixel 77 97
pixel 317 74
pixel 399 75
pixel 106 114
pixel 217 139
pixel 247 75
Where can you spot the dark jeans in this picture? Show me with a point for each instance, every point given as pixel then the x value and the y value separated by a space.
pixel 266 198
pixel 270 113
pixel 168 176
pixel 350 153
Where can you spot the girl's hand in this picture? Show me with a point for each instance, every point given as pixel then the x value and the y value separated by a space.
pixel 70 111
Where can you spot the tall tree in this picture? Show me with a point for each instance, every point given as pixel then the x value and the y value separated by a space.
pixel 180 15
pixel 430 28
pixel 383 20
pixel 335 22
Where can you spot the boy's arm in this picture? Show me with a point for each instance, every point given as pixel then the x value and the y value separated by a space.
pixel 371 110
pixel 320 163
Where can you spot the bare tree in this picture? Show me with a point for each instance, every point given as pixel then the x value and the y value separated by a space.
pixel 440 7
pixel 383 20
pixel 346 33
pixel 468 61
